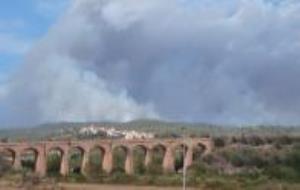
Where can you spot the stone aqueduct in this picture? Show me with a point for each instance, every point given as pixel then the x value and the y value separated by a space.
pixel 42 149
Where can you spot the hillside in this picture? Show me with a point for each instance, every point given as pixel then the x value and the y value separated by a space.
pixel 160 128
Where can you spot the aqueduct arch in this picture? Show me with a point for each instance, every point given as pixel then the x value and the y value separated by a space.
pixel 8 156
pixel 29 158
pixel 96 158
pixel 149 146
pixel 126 164
pixel 78 159
pixel 141 158
pixel 55 154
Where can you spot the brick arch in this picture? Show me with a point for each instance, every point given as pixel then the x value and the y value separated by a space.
pixel 144 147
pixel 78 147
pixel 123 147
pixel 58 148
pixel 159 145
pixel 180 151
pixel 10 150
pixel 35 150
pixel 145 159
pixel 155 148
pixel 102 150
pixel 199 149
pixel 180 145
pixel 36 156
pixel 201 145
pixel 80 168
pixel 12 154
pixel 100 147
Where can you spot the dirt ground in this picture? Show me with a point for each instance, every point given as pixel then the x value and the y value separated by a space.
pixel 115 187
pixel 67 186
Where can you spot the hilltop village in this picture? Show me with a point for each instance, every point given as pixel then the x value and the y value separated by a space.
pixel 112 132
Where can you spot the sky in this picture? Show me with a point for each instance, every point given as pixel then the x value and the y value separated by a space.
pixel 214 61
pixel 22 23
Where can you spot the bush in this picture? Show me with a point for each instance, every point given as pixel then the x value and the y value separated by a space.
pixel 293 159
pixel 154 169
pixel 28 165
pixel 4 166
pixel 120 177
pixel 219 142
pixel 208 159
pixel 220 184
pixel 245 157
pixel 197 169
pixel 53 165
pixel 255 140
pixel 94 173
pixel 76 178
pixel 284 140
pixel 282 173
pixel 138 159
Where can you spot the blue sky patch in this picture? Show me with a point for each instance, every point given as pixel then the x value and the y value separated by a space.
pixel 21 24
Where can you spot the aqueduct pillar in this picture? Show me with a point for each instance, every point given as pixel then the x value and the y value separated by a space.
pixel 188 160
pixel 168 162
pixel 40 165
pixel 17 161
pixel 107 163
pixel 85 162
pixel 148 158
pixel 64 166
pixel 129 162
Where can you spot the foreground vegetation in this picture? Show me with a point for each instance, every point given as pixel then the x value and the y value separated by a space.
pixel 252 157
pixel 238 162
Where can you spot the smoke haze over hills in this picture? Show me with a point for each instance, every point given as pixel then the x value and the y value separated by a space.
pixel 210 61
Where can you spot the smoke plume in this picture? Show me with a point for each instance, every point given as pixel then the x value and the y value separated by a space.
pixel 208 60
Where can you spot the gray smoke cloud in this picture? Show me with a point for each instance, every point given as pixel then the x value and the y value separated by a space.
pixel 233 62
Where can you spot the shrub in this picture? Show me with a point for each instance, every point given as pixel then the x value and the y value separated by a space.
pixel 154 169
pixel 208 159
pixel 282 173
pixel 255 140
pixel 76 178
pixel 53 165
pixel 284 140
pixel 219 142
pixel 244 157
pixel 197 169
pixel 220 184
pixel 293 159
pixel 93 172
pixel 120 177
pixel 4 166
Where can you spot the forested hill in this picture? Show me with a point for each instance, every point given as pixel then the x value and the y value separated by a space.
pixel 161 128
